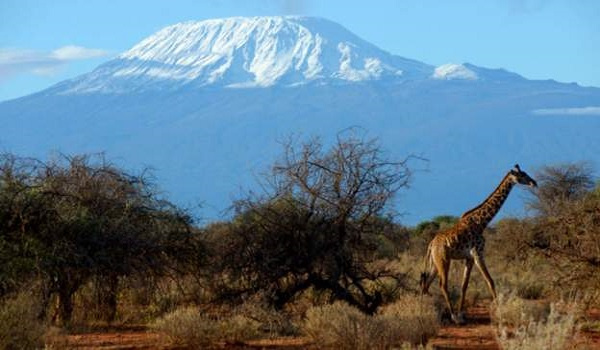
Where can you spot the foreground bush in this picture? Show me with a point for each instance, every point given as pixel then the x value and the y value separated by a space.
pixel 19 324
pixel 273 323
pixel 188 326
pixel 521 327
pixel 514 311
pixel 344 327
pixel 411 320
pixel 414 319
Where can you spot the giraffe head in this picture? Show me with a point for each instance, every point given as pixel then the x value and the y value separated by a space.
pixel 520 177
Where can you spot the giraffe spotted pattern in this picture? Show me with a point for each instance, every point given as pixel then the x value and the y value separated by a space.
pixel 465 241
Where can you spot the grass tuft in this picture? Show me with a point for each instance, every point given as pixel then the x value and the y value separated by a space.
pixel 410 321
pixel 188 326
pixel 519 326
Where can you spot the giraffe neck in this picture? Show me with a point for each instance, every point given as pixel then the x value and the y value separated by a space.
pixel 482 214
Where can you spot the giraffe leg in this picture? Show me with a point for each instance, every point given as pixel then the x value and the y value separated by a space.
pixel 442 268
pixel 427 279
pixel 480 262
pixel 465 285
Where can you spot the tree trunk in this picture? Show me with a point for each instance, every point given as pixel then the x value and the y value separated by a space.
pixel 46 297
pixel 65 306
pixel 106 289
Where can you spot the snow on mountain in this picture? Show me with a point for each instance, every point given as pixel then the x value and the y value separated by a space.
pixel 247 52
pixel 454 71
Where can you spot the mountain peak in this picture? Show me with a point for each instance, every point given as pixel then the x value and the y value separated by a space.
pixel 248 52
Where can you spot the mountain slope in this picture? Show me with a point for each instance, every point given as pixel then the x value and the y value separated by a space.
pixel 207 140
pixel 246 52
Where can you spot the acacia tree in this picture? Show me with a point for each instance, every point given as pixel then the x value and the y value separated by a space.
pixel 79 218
pixel 560 185
pixel 566 229
pixel 316 226
pixel 16 248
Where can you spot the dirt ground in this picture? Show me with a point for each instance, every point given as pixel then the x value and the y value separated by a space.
pixel 476 334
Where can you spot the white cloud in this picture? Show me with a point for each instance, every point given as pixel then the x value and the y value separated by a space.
pixel 19 61
pixel 48 70
pixel 590 110
pixel 70 53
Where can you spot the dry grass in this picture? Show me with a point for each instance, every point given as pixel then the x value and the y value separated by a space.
pixel 188 326
pixel 272 322
pixel 521 325
pixel 410 321
pixel 413 319
pixel 19 326
pixel 344 327
pixel 511 310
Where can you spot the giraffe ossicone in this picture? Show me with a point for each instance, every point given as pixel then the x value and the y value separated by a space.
pixel 465 241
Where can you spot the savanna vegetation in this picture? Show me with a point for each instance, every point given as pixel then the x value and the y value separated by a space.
pixel 318 253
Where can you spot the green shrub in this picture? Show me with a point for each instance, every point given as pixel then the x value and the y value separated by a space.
pixel 20 327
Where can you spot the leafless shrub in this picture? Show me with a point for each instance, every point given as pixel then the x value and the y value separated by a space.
pixel 318 225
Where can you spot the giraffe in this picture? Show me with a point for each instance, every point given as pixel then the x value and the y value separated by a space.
pixel 465 241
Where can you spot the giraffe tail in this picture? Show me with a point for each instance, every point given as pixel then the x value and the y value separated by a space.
pixel 425 273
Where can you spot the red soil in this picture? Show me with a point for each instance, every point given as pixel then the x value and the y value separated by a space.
pixel 476 334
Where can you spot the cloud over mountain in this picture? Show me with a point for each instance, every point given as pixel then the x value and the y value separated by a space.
pixel 17 61
pixel 590 110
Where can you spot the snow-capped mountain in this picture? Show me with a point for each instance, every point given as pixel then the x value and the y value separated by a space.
pixel 247 52
pixel 206 103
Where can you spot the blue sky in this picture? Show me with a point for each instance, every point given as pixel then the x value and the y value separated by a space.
pixel 44 42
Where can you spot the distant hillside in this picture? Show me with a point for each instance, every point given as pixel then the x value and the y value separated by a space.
pixel 205 103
